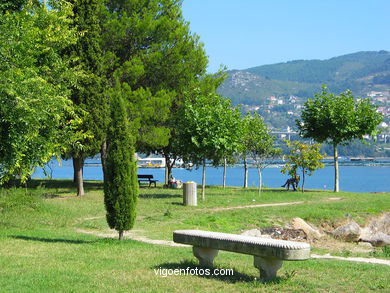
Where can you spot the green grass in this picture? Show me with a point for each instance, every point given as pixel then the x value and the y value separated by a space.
pixel 41 250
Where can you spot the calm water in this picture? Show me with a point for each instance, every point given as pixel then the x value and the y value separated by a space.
pixel 352 178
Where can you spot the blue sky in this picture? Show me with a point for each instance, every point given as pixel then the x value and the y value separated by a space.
pixel 246 33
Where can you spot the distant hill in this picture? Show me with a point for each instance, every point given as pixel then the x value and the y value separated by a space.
pixel 359 72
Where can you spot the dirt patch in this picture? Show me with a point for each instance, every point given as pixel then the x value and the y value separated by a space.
pixel 332 245
pixel 285 234
pixel 334 198
pixel 131 235
pixel 354 259
pixel 326 242
pixel 273 204
pixel 91 218
pixel 258 206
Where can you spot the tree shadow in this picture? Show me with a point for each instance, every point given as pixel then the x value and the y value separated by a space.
pixel 160 195
pixel 146 185
pixel 63 183
pixel 50 240
pixel 52 188
pixel 271 190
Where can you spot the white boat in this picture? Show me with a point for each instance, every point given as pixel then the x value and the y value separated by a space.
pixel 151 163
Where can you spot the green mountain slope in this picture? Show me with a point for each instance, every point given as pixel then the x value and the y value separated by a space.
pixel 359 72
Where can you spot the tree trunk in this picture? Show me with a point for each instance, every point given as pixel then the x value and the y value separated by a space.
pixel 169 171
pixel 103 157
pixel 166 179
pixel 78 164
pixel 224 172
pixel 168 168
pixel 259 170
pixel 120 235
pixel 303 179
pixel 203 178
pixel 245 173
pixel 336 168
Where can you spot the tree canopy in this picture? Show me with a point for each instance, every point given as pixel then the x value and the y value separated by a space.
pixel 209 129
pixel 156 60
pixel 302 156
pixel 258 143
pixel 150 53
pixel 338 119
pixel 36 116
pixel 88 94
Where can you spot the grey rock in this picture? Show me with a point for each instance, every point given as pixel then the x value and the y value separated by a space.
pixel 365 244
pixel 379 225
pixel 311 232
pixel 377 231
pixel 350 232
pixel 252 232
pixel 377 239
pixel 383 224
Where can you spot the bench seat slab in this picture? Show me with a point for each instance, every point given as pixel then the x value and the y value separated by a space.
pixel 257 246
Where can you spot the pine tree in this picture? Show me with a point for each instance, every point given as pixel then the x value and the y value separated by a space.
pixel 120 180
pixel 156 60
pixel 13 5
pixel 88 94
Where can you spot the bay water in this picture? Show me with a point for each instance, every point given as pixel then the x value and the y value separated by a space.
pixel 354 178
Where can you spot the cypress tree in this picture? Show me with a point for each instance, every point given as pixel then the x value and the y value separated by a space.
pixel 120 180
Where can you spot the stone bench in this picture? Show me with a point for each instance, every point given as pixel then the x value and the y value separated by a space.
pixel 269 254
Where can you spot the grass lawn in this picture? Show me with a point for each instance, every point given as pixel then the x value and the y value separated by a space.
pixel 42 250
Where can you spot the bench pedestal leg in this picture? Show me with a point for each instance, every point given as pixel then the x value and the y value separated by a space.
pixel 205 255
pixel 268 267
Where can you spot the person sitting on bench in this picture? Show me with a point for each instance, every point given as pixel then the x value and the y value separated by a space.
pixel 293 181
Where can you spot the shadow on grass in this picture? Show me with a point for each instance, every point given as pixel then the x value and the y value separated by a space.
pixel 254 189
pixel 52 188
pixel 160 195
pixel 50 240
pixel 146 185
pixel 190 267
pixel 63 183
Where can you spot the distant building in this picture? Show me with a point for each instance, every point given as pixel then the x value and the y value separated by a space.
pixel 381 99
pixel 367 137
pixel 292 99
pixel 383 125
pixel 254 108
pixel 373 94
